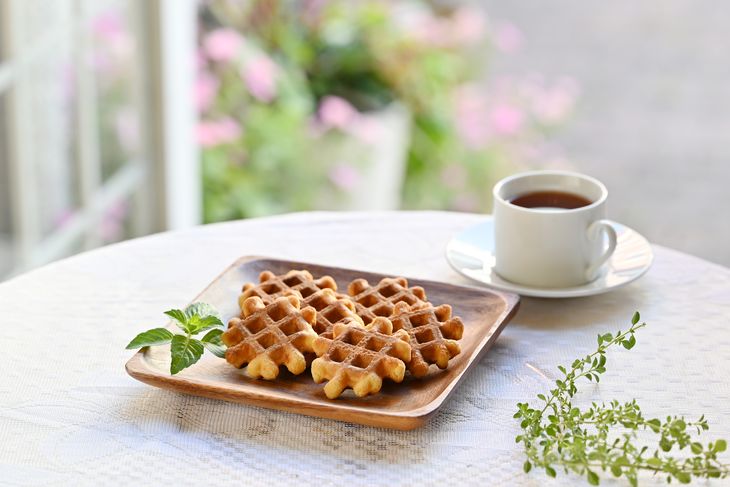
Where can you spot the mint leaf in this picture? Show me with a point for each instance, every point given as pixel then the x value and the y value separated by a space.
pixel 212 341
pixel 202 310
pixel 185 352
pixel 197 324
pixel 178 316
pixel 155 336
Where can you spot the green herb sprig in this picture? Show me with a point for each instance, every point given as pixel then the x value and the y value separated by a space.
pixel 184 349
pixel 604 437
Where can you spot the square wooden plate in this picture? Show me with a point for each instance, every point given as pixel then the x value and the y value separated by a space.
pixel 404 406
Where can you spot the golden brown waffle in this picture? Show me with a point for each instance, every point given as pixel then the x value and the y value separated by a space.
pixel 271 286
pixel 380 299
pixel 331 309
pixel 360 357
pixel 432 332
pixel 269 336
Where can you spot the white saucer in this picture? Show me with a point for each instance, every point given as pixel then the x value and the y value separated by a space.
pixel 470 253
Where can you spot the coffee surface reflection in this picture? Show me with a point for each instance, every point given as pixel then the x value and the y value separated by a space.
pixel 550 200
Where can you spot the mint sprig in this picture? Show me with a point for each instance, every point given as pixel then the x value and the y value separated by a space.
pixel 184 349
pixel 603 438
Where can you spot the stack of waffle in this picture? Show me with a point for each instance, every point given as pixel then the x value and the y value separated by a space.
pixel 360 338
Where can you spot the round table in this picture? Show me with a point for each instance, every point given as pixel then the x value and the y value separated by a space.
pixel 70 415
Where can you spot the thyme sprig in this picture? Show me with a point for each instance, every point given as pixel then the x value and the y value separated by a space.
pixel 605 437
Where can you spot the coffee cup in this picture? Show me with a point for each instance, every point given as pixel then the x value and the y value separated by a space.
pixel 550 229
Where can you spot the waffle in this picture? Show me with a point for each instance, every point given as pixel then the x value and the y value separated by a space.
pixel 271 286
pixel 380 299
pixel 331 308
pixel 360 357
pixel 268 336
pixel 432 333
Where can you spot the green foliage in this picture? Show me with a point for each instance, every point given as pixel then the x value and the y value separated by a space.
pixel 604 437
pixel 184 349
pixel 370 53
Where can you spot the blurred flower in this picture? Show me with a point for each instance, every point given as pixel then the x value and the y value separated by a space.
pixel 344 176
pixel 468 25
pixel 108 25
pixel 507 37
pixel 111 227
pixel 366 128
pixel 336 112
pixel 552 105
pixel 216 132
pixel 259 74
pixel 206 88
pixel 506 119
pixel 472 115
pixel 63 218
pixel 114 46
pixel 222 44
pixel 200 60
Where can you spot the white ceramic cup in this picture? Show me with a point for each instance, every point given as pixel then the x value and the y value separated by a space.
pixel 551 247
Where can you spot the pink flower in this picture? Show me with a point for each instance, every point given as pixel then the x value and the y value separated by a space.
pixel 63 218
pixel 551 105
pixel 259 74
pixel 215 132
pixel 200 60
pixel 506 119
pixel 222 44
pixel 508 38
pixel 111 227
pixel 366 128
pixel 336 112
pixel 472 115
pixel 468 25
pixel 206 88
pixel 108 25
pixel 344 176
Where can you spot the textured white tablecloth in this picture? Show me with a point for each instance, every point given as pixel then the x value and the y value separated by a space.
pixel 69 415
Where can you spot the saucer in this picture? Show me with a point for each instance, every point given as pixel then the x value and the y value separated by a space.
pixel 471 253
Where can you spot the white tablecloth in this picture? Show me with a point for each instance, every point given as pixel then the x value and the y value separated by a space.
pixel 69 415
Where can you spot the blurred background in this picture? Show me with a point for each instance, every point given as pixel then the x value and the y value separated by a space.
pixel 120 118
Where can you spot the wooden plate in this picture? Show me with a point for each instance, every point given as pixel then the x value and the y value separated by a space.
pixel 400 406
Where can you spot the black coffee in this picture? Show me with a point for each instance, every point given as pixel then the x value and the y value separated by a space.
pixel 550 200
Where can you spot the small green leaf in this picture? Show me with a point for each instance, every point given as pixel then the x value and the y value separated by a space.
pixel 654 462
pixel 149 338
pixel 178 316
pixel 593 478
pixel 683 477
pixel 212 341
pixel 696 448
pixel 665 444
pixel 202 310
pixel 629 342
pixel 185 352
pixel 616 470
pixel 527 467
pixel 197 324
pixel 635 319
pixel 720 446
pixel 550 471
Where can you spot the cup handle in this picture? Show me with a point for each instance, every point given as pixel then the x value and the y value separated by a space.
pixel 595 230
